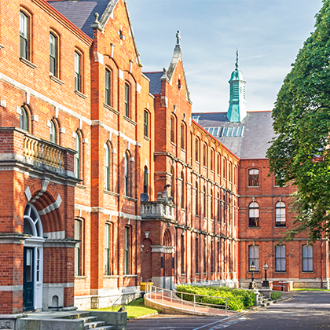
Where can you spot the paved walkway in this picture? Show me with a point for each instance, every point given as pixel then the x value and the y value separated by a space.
pixel 175 302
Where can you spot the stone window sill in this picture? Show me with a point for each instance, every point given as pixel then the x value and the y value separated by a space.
pixel 280 272
pixel 110 276
pixel 307 272
pixel 107 106
pixel 254 227
pixel 279 227
pixel 130 120
pixel 253 186
pixel 183 150
pixel 173 144
pixel 80 94
pixel 28 63
pixel 130 199
pixel 80 277
pixel 58 81
pixel 109 192
pixel 130 275
pixel 80 186
pixel 197 273
pixel 147 138
pixel 2 46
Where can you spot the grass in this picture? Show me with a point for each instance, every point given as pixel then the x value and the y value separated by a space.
pixel 309 289
pixel 276 295
pixel 134 309
pixel 238 299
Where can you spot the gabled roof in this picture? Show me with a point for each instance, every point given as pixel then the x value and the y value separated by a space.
pixel 82 14
pixel 155 81
pixel 177 56
pixel 257 132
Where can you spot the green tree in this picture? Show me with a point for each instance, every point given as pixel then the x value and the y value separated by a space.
pixel 299 154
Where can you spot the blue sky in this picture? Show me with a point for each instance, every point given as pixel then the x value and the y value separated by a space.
pixel 267 33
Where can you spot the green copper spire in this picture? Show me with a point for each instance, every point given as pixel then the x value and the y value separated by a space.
pixel 237 105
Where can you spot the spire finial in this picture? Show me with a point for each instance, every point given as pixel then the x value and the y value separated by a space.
pixel 236 59
pixel 178 38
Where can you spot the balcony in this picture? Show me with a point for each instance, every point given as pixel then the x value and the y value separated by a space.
pixel 162 209
pixel 34 154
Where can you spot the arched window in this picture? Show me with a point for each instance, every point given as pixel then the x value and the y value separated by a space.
pixel 127 100
pixel 53 54
pixel 145 179
pixel 173 129
pixel 218 164
pixel 224 168
pixel 197 150
pixel 212 204
pixel 197 254
pixel 78 251
pixel 146 123
pixel 183 136
pixel 107 249
pixel 219 208
pixel 32 222
pixel 197 199
pixel 107 167
pixel 307 258
pixel 253 214
pixel 24 36
pixel 182 254
pixel 77 156
pixel 107 87
pixel 182 190
pixel 204 155
pixel 280 214
pixel 77 72
pixel 24 120
pixel 172 182
pixel 52 132
pixel 127 175
pixel 212 160
pixel 254 178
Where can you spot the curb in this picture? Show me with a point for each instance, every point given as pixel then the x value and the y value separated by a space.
pixel 142 317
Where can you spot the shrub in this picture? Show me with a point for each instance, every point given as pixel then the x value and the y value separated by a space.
pixel 276 295
pixel 238 299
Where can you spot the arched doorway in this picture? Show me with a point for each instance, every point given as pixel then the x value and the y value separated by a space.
pixel 167 270
pixel 146 256
pixel 32 260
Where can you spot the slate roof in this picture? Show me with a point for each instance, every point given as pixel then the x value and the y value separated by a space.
pixel 81 13
pixel 155 82
pixel 258 131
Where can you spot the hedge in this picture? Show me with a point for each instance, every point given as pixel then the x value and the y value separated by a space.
pixel 238 299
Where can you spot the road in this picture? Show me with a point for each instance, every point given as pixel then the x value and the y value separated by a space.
pixel 305 311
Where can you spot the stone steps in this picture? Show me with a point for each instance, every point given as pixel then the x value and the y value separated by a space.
pixel 264 301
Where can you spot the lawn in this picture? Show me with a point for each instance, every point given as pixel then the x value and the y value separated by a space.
pixel 237 299
pixel 309 289
pixel 134 309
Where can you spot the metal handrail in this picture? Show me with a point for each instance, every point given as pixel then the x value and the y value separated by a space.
pixel 196 281
pixel 152 294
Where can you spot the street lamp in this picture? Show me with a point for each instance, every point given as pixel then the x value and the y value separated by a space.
pixel 252 269
pixel 265 283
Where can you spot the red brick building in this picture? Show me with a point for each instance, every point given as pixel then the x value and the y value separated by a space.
pixel 83 134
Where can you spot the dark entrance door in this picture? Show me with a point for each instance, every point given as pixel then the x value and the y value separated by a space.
pixel 28 279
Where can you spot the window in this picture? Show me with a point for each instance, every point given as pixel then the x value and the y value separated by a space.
pixel 253 178
pixel 196 254
pixel 127 254
pixel 107 86
pixel 219 208
pixel 205 256
pixel 197 149
pixel 38 265
pixel 253 214
pixel 205 202
pixel 77 156
pixel 77 257
pixel 145 180
pixel 146 123
pixel 212 256
pixel 219 255
pixel 23 120
pixel 172 182
pixel 197 199
pixel 204 155
pixel 212 202
pixel 182 254
pixel 77 72
pixel 127 174
pixel 173 129
pixel 212 160
pixel 24 36
pixel 52 132
pixel 307 255
pixel 183 136
pixel 280 214
pixel 53 54
pixel 224 168
pixel 254 256
pixel 280 258
pixel 127 103
pixel 182 190
pixel 107 240
pixel 218 164
pixel 107 167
